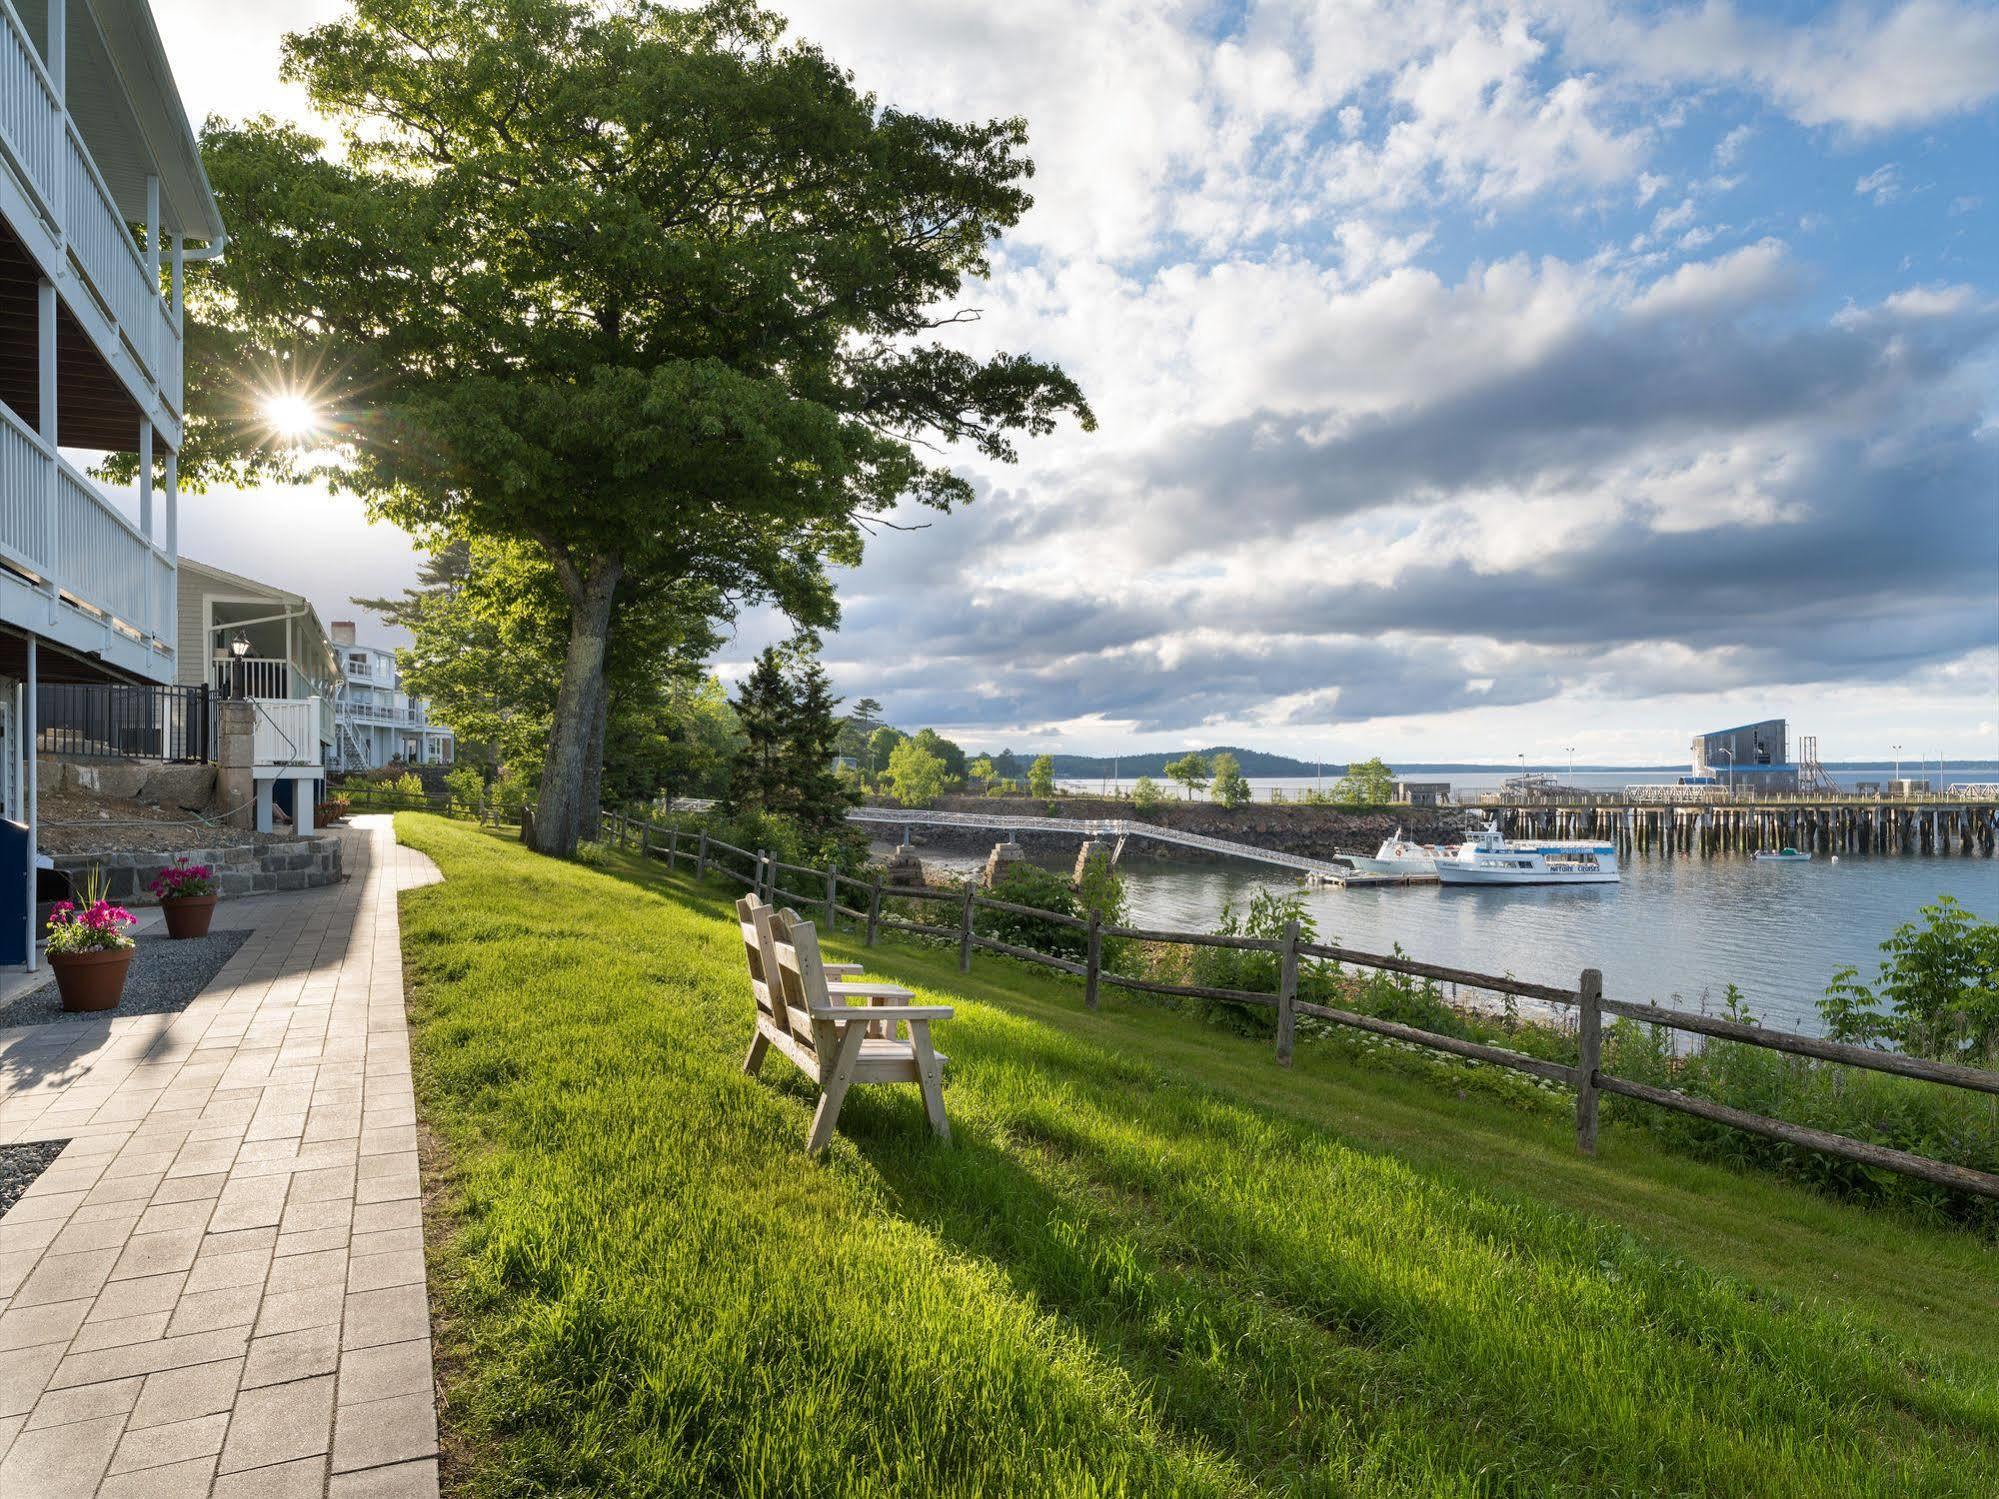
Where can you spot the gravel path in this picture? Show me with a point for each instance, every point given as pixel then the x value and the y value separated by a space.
pixel 21 1164
pixel 164 978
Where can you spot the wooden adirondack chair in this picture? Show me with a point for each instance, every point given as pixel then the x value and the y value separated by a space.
pixel 756 953
pixel 836 1043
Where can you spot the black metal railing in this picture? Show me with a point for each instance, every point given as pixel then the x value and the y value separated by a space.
pixel 105 721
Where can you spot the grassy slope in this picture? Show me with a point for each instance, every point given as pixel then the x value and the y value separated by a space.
pixel 1151 1263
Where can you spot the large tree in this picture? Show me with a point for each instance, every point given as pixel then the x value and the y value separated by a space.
pixel 488 626
pixel 649 289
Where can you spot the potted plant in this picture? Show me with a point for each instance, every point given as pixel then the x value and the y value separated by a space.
pixel 187 894
pixel 88 948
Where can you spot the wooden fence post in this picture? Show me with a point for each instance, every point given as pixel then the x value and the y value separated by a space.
pixel 645 843
pixel 965 931
pixel 832 890
pixel 1093 960
pixel 1589 1053
pixel 758 888
pixel 673 850
pixel 701 863
pixel 1287 996
pixel 874 907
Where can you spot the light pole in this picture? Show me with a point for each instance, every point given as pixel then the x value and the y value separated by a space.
pixel 1572 765
pixel 239 647
pixel 1898 764
pixel 1722 749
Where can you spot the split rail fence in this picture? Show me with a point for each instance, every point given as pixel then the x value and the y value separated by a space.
pixel 764 873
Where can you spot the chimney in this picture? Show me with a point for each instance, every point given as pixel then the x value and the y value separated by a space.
pixel 343 632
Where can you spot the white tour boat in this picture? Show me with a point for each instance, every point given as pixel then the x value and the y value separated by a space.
pixel 1397 855
pixel 1783 856
pixel 1490 859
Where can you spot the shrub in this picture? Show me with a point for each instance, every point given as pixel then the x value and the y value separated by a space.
pixel 1029 885
pixel 1946 1124
pixel 330 810
pixel 1145 794
pixel 409 784
pixel 511 793
pixel 1940 982
pixel 1269 916
pixel 467 787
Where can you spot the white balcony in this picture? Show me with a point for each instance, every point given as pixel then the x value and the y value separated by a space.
pixel 76 229
pixel 74 567
pixel 287 732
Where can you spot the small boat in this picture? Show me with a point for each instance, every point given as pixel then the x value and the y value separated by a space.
pixel 1783 856
pixel 1490 859
pixel 1397 855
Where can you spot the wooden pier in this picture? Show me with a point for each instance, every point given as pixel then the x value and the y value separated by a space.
pixel 1827 825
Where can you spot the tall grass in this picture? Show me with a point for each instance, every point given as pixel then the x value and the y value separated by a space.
pixel 1151 1262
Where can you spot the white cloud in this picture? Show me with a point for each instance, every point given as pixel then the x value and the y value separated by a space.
pixel 1290 264
pixel 1883 184
pixel 1859 66
pixel 1740 279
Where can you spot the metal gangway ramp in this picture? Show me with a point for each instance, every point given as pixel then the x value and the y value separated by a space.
pixel 1121 829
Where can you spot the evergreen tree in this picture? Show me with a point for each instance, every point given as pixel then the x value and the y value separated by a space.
pixel 819 796
pixel 785 710
pixel 764 710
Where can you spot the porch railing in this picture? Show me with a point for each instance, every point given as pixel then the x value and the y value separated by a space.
pixel 253 676
pixel 103 562
pixel 48 153
pixel 56 525
pixel 287 732
pixel 103 720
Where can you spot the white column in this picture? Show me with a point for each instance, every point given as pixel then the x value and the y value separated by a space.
pixel 146 476
pixel 264 805
pixel 153 228
pixel 45 337
pixel 45 346
pixel 30 775
pixel 180 275
pixel 152 333
pixel 169 619
pixel 171 545
pixel 56 47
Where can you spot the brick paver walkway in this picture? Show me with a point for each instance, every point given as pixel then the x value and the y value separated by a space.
pixel 218 1286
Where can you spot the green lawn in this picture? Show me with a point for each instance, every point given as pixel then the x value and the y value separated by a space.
pixel 1151 1262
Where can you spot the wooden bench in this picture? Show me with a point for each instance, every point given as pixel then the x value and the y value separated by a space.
pixel 814 1021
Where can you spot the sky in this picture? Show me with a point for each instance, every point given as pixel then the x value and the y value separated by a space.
pixel 1472 381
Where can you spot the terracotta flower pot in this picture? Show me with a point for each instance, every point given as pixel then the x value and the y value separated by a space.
pixel 91 980
pixel 189 915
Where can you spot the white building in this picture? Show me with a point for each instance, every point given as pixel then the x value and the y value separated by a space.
pixel 375 722
pixel 242 638
pixel 94 144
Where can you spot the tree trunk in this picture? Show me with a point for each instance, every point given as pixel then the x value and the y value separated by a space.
pixel 590 589
pixel 591 816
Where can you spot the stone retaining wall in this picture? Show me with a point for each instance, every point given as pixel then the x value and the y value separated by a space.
pixel 1293 828
pixel 242 869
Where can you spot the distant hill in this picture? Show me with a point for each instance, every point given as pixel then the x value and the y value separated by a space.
pixel 1253 762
